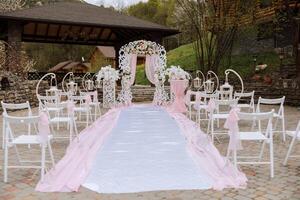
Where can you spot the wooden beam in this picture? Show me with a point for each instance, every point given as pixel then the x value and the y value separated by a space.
pixel 100 33
pixel 58 30
pixel 47 29
pixel 53 41
pixel 54 38
pixel 35 28
pixel 109 35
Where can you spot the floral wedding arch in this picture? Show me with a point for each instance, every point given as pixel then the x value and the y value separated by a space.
pixel 156 62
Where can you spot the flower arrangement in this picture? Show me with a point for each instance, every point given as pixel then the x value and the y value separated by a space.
pixel 177 73
pixel 141 47
pixel 108 73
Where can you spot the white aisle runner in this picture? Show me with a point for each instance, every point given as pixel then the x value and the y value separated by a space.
pixel 145 152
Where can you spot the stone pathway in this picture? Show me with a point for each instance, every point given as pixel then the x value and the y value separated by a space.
pixel 285 185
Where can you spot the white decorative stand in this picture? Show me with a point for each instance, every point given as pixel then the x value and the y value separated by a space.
pixel 109 93
pixel 108 76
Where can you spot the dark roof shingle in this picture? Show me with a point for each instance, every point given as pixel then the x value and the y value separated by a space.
pixel 82 14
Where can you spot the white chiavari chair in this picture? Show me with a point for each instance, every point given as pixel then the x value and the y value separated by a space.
pixel 190 100
pixel 279 115
pixel 68 118
pixel 243 103
pixel 201 104
pixel 55 109
pixel 14 107
pixel 221 112
pixel 12 129
pixel 295 137
pixel 95 104
pixel 261 136
pixel 83 108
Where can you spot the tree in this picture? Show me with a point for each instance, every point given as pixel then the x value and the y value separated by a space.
pixel 212 25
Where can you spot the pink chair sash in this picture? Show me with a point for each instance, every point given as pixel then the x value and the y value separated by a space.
pixel 43 128
pixel 232 124
pixel 70 107
pixel 88 99
pixel 211 106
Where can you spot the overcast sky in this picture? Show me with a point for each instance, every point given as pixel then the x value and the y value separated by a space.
pixel 115 3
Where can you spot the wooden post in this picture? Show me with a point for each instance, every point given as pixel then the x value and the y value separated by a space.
pixel 297 46
pixel 14 40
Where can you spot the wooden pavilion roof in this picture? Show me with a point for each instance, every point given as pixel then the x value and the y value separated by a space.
pixel 80 23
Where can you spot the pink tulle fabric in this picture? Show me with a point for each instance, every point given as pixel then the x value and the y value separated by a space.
pixel 207 157
pixel 178 88
pixel 150 66
pixel 70 172
pixel 231 123
pixel 133 61
pixel 43 128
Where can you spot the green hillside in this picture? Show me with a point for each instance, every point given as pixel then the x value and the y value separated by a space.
pixel 243 64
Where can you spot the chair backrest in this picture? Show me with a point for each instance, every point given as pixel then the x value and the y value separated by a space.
pixel 48 99
pixel 43 100
pixel 19 121
pixel 205 97
pixel 277 101
pixel 93 95
pixel 268 116
pixel 244 94
pixel 241 97
pixel 230 102
pixel 224 106
pixel 81 99
pixel 15 107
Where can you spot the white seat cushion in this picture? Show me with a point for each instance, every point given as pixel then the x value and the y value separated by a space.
pixel 60 119
pixel 292 134
pixel 220 116
pixel 243 106
pixel 252 136
pixel 28 139
pixel 82 109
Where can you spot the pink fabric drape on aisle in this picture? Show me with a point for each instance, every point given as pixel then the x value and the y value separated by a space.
pixel 150 67
pixel 70 172
pixel 207 157
pixel 178 88
pixel 133 61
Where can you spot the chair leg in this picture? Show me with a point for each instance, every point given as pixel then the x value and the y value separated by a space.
pixel 262 150
pixel 289 151
pixel 5 163
pixel 57 125
pixel 271 159
pixel 283 129
pixel 3 134
pixel 43 163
